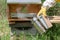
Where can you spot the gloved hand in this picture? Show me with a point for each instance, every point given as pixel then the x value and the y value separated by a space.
pixel 42 11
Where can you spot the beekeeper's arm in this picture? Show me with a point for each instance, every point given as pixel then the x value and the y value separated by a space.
pixel 46 5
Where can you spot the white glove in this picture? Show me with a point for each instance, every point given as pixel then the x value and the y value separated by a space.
pixel 49 3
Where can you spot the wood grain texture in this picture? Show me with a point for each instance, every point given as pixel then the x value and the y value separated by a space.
pixel 53 19
pixel 31 8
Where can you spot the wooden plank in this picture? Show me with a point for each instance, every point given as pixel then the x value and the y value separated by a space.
pixel 11 22
pixel 29 8
pixel 22 15
pixel 24 1
pixel 53 19
pixel 19 19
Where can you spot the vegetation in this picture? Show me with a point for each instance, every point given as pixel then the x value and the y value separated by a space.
pixel 4 27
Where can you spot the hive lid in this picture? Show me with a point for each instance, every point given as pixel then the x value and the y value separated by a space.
pixel 24 1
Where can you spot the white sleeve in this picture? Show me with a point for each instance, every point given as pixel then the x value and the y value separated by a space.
pixel 49 3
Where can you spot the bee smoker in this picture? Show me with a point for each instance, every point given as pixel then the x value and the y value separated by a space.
pixel 45 21
pixel 41 23
pixel 38 25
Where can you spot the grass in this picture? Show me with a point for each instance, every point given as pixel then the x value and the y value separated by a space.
pixel 52 34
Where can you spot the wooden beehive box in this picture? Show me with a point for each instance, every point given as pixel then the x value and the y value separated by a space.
pixel 27 5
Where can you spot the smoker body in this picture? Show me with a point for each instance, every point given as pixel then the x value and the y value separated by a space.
pixel 41 23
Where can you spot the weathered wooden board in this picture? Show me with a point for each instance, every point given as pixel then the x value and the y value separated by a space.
pixel 30 8
pixel 53 19
pixel 25 1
